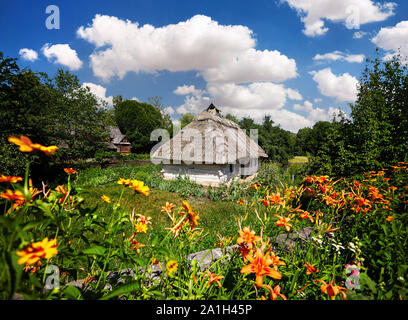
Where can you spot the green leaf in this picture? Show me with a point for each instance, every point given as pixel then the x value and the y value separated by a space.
pixel 126 288
pixel 80 190
pixel 366 280
pixel 155 240
pixel 96 250
pixel 17 269
pixel 32 225
pixel 72 293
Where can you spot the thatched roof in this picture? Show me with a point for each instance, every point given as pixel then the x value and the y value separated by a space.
pixel 210 138
pixel 117 137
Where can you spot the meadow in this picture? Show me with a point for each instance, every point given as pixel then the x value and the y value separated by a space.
pixel 105 220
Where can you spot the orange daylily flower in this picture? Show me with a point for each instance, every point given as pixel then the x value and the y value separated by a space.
pixel 310 268
pixel 275 292
pixel 213 278
pixel 143 219
pixel 176 229
pixel 276 260
pixel 283 222
pixel 374 193
pixel 61 189
pixel 192 216
pixel 70 171
pixel 306 215
pixel 26 145
pixel 247 237
pixel 11 179
pixel 35 251
pixel 260 266
pixel 332 290
pixel 33 191
pixel 13 196
pixel 275 198
pixel 168 207
pixel 17 197
pixel 242 202
pixel 255 186
pixel 390 218
pixel 134 244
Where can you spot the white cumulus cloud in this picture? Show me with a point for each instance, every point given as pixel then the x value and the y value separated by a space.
pixel 353 13
pixel 393 39
pixel 220 53
pixel 99 91
pixel 359 34
pixel 62 54
pixel 28 54
pixel 342 87
pixel 339 55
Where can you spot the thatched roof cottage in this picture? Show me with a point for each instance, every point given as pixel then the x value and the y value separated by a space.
pixel 210 150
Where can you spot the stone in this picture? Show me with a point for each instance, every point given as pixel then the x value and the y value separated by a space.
pixel 206 257
pixel 289 241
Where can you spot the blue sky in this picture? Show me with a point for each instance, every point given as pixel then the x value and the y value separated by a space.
pixel 296 60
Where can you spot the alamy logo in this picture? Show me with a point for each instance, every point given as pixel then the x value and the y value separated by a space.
pixel 353 280
pixel 53 280
pixel 53 20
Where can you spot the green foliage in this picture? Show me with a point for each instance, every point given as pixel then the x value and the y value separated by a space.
pixel 185 119
pixel 50 111
pixel 375 136
pixel 137 120
pixel 278 144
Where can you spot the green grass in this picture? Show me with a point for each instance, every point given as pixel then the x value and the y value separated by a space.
pixel 298 160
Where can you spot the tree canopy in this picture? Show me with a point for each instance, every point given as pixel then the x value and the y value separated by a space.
pixel 137 120
pixel 376 134
pixel 50 111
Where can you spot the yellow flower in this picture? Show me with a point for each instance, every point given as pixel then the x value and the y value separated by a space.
pixel 141 227
pixel 35 251
pixel 139 187
pixel 171 266
pixel 125 182
pixel 106 199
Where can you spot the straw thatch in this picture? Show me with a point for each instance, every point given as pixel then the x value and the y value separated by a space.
pixel 209 139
